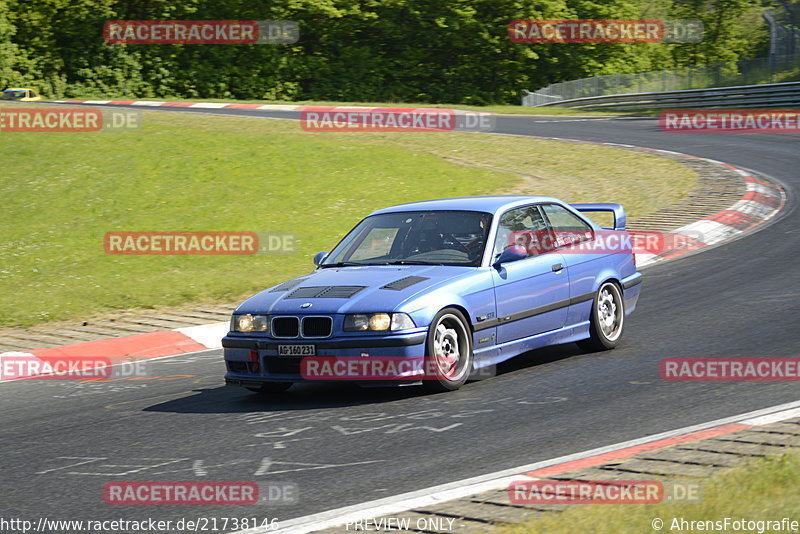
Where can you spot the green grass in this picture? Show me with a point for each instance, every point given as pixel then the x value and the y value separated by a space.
pixel 63 191
pixel 767 489
pixel 576 172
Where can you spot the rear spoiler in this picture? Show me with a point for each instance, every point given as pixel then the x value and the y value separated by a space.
pixel 620 219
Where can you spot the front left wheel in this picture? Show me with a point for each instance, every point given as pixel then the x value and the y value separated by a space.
pixel 448 360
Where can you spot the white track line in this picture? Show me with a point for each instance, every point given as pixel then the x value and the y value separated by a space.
pixel 772 418
pixel 209 335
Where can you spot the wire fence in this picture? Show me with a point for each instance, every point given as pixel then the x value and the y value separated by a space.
pixel 782 65
pixel 773 69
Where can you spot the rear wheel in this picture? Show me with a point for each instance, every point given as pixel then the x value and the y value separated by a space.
pixel 268 388
pixel 606 320
pixel 448 360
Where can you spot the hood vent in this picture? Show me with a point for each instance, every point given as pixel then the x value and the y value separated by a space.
pixel 408 281
pixel 325 292
pixel 286 286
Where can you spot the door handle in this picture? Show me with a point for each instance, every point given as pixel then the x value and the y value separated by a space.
pixel 557 267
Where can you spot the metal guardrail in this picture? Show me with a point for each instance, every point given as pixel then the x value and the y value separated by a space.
pixel 743 96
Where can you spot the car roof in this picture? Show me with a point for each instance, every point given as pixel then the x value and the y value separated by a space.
pixel 17 89
pixel 490 204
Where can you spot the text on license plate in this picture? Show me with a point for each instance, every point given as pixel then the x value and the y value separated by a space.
pixel 297 350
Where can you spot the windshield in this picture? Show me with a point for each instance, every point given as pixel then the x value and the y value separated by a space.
pixel 13 95
pixel 414 237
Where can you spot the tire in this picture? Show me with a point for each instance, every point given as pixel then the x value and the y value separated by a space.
pixel 607 319
pixel 448 351
pixel 269 388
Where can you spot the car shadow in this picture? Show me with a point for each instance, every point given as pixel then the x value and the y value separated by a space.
pixel 314 396
pixel 538 357
pixel 302 396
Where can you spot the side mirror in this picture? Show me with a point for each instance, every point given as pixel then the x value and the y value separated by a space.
pixel 511 253
pixel 320 257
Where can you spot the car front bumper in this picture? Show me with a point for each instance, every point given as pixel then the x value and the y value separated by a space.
pixel 252 360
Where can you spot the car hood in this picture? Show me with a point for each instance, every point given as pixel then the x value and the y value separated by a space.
pixel 350 289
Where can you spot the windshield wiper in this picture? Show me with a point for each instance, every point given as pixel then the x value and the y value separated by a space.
pixel 409 262
pixel 343 264
pixel 394 262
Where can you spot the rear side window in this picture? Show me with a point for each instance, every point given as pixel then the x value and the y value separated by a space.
pixel 569 228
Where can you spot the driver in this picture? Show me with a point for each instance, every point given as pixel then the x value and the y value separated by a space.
pixel 430 240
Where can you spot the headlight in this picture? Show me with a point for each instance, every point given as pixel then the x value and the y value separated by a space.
pixel 356 323
pixel 377 322
pixel 250 323
pixel 380 321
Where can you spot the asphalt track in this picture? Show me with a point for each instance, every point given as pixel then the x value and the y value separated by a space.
pixel 61 441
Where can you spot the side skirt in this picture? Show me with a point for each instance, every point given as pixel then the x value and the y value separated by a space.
pixel 506 351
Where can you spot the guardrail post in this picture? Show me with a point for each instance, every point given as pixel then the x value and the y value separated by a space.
pixel 773 41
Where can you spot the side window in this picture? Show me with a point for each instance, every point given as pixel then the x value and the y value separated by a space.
pixel 523 226
pixel 569 228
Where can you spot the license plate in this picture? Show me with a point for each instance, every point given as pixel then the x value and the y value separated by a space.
pixel 297 350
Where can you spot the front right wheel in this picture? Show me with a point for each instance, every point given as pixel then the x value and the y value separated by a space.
pixel 448 360
pixel 606 320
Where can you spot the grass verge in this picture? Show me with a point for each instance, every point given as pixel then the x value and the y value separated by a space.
pixel 182 172
pixel 766 489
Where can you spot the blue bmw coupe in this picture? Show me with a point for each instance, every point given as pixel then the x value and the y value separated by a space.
pixel 449 287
